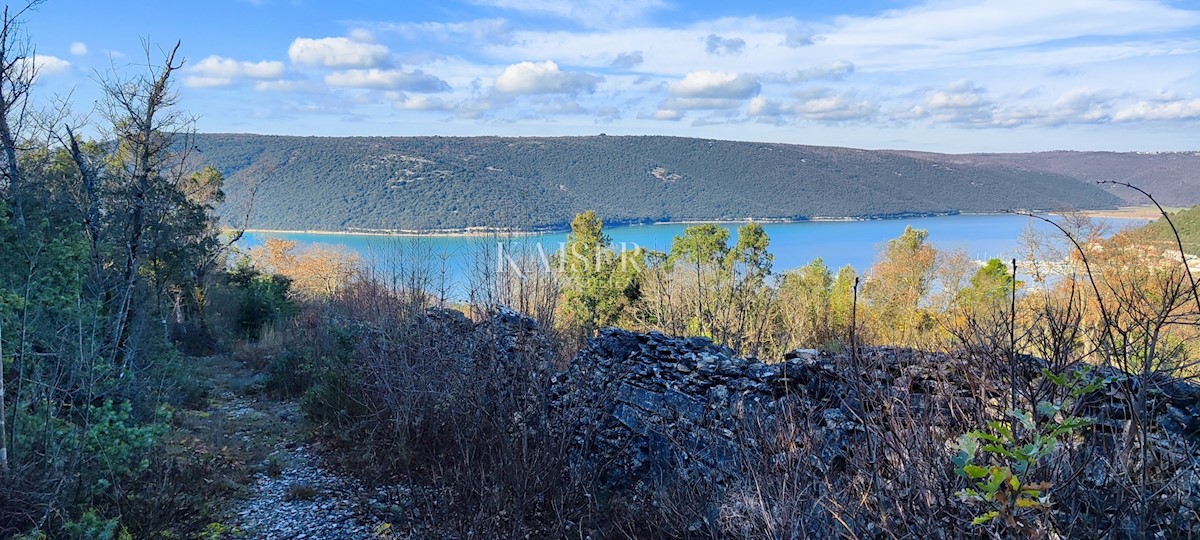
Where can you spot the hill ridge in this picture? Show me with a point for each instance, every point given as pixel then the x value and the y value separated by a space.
pixel 531 183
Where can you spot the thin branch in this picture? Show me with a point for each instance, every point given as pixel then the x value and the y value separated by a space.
pixel 1174 231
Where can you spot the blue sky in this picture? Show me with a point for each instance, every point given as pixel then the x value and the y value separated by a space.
pixel 953 76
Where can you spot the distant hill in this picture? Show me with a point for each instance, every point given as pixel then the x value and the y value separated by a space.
pixel 1173 178
pixel 452 182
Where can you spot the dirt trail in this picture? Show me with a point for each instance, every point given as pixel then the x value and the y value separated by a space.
pixel 284 491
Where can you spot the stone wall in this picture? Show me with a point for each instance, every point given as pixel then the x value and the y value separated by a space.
pixel 649 408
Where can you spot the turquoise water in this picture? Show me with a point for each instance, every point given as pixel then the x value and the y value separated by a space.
pixel 838 243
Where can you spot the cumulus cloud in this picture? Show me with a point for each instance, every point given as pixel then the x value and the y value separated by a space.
pixel 961 102
pixel 668 114
pixel 50 65
pixel 425 103
pixel 627 60
pixel 79 48
pixel 826 107
pixel 544 78
pixel 337 52
pixel 217 71
pixel 959 95
pixel 1178 109
pixel 591 13
pixel 389 79
pixel 714 44
pixel 716 84
pixel 836 108
pixel 44 64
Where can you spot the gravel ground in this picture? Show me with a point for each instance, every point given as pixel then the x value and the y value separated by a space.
pixel 304 501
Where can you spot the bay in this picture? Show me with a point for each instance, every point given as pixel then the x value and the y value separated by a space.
pixel 837 243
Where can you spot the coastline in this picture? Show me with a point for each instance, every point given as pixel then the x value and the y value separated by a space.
pixel 1125 212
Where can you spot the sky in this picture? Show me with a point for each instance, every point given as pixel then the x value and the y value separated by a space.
pixel 943 76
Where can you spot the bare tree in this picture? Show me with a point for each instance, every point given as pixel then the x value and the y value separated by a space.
pixel 144 125
pixel 18 70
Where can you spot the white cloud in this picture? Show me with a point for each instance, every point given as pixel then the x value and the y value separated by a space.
pixel 667 114
pixel 44 64
pixel 50 65
pixel 544 78
pixel 591 13
pixel 393 79
pixel 714 44
pixel 1180 109
pixel 824 107
pixel 716 84
pixel 761 106
pixel 836 108
pixel 217 71
pixel 79 48
pixel 425 103
pixel 337 52
pixel 959 95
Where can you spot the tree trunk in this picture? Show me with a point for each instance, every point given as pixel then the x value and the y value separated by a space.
pixel 142 138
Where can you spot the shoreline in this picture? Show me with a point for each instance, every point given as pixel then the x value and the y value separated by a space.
pixel 1124 212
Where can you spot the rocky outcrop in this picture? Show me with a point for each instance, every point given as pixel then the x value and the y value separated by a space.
pixel 646 405
pixel 648 408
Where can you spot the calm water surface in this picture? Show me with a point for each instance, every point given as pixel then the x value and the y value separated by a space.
pixel 838 243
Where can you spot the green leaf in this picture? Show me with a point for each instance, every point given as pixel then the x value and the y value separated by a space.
pixel 975 471
pixel 989 437
pixel 986 517
pixel 993 484
pixel 1055 378
pixel 1024 418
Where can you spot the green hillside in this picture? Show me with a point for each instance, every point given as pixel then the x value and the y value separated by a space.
pixel 1187 222
pixel 451 182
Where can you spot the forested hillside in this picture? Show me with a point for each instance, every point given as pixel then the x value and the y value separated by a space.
pixel 1172 177
pixel 1187 224
pixel 451 182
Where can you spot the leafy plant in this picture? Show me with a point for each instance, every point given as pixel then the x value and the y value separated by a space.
pixel 1001 462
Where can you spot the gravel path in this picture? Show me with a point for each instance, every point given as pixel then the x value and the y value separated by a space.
pixel 304 501
pixel 292 496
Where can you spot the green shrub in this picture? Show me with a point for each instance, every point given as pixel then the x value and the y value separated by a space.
pixel 90 526
pixel 1001 462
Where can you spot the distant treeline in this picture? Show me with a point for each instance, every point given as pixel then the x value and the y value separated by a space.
pixel 451 182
